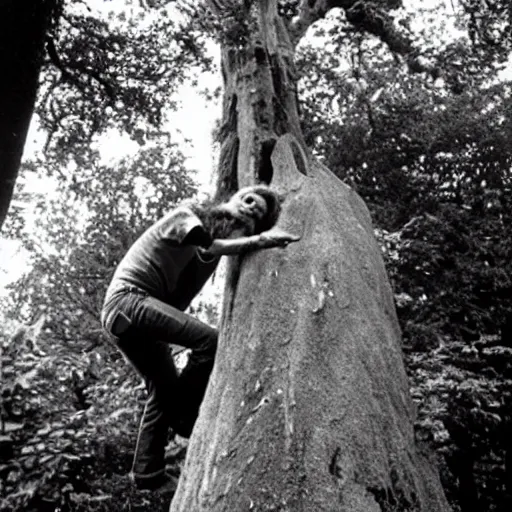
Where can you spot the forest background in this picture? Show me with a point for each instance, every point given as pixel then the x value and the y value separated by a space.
pixel 428 152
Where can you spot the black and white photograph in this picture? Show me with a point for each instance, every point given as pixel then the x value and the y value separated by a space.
pixel 256 256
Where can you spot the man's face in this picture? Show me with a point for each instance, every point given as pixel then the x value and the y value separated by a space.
pixel 248 207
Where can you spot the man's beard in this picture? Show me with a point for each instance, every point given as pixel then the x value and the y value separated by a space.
pixel 221 224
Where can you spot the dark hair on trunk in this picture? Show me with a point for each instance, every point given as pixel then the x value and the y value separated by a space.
pixel 221 224
pixel 217 222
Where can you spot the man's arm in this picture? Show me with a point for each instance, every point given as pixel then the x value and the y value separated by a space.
pixel 273 238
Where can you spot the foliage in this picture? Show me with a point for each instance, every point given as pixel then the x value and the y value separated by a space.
pixel 72 419
pixel 452 273
pixel 119 72
pixel 464 395
pixel 69 404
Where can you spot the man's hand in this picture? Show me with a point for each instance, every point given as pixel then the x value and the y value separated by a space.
pixel 276 237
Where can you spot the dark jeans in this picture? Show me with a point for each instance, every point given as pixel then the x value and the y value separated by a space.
pixel 143 328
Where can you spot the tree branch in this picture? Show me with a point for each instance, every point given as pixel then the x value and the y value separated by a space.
pixel 368 16
pixel 71 77
pixel 56 61
pixel 310 11
pixel 371 18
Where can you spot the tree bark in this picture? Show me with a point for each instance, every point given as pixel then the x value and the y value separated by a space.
pixel 23 26
pixel 308 406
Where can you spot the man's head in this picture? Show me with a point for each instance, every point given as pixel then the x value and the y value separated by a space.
pixel 249 211
pixel 256 207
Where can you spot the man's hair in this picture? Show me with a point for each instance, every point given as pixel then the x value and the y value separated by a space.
pixel 273 200
pixel 220 223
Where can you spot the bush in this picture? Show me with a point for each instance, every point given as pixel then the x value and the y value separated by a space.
pixel 464 397
pixel 70 422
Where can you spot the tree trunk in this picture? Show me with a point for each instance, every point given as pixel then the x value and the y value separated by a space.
pixel 23 26
pixel 308 406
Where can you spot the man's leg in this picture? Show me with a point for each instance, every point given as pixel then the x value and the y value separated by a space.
pixel 153 360
pixel 192 384
pixel 172 402
pixel 173 326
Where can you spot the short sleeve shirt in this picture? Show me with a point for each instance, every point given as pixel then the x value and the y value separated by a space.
pixel 164 261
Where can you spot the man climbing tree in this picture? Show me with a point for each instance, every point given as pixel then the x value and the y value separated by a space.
pixel 156 280
pixel 308 405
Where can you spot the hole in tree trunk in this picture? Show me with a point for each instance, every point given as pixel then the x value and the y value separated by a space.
pixel 265 169
pixel 227 179
pixel 260 55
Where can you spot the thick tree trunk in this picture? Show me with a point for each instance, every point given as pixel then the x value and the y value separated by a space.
pixel 23 25
pixel 308 406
